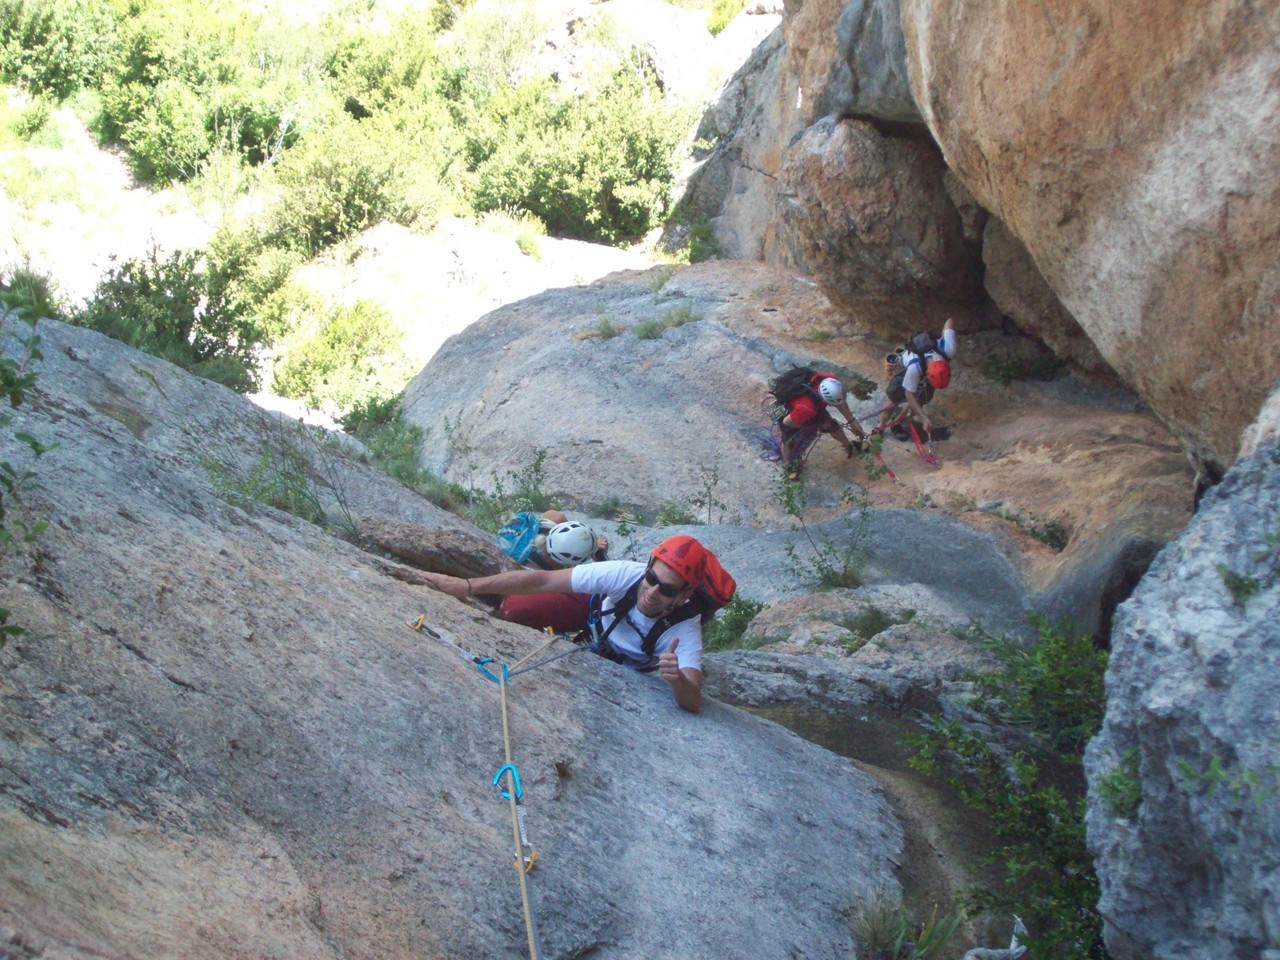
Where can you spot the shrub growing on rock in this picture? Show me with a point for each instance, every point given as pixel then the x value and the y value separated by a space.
pixel 1051 690
pixel 175 307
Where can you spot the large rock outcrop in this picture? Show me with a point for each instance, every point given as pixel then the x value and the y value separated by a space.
pixel 851 60
pixel 754 117
pixel 1134 149
pixel 669 420
pixel 820 163
pixel 1184 776
pixel 869 217
pixel 220 740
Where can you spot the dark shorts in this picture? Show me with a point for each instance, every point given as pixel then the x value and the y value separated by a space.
pixel 562 612
pixel 898 394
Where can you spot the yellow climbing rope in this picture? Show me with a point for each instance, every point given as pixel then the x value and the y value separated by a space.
pixel 513 793
pixel 523 862
pixel 527 657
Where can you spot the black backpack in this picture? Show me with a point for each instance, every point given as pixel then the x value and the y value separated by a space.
pixel 921 344
pixel 793 383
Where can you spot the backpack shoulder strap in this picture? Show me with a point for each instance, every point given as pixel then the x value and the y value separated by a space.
pixel 620 609
pixel 688 610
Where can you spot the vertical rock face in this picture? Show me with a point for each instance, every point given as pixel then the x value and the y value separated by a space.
pixel 869 216
pixel 1018 289
pixel 1184 813
pixel 221 741
pixel 1135 150
pixel 851 60
pixel 751 123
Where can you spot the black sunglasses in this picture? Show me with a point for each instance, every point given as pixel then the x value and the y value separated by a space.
pixel 665 589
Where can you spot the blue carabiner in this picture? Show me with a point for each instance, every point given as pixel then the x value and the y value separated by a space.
pixel 515 775
pixel 481 661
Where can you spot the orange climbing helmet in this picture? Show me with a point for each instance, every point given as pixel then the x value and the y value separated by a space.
pixel 939 373
pixel 699 567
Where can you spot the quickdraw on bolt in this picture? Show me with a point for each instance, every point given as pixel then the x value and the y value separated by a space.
pixel 515 776
pixel 481 661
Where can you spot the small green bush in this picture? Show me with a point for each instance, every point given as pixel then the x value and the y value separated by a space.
pixel 1264 558
pixel 1053 686
pixel 175 308
pixel 33 292
pixel 722 12
pixel 726 630
pixel 679 315
pixel 530 246
pixel 702 242
pixel 517 491
pixel 674 514
pixel 349 359
pixel 169 137
pixel 395 448
pixel 336 183
pixel 1121 787
pixel 871 621
pixel 648 329
pixel 605 329
pixel 280 478
pixel 33 119
pixel 661 276
pixel 830 562
pixel 884 928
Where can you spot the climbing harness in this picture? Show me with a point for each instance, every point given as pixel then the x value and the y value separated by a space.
pixel 526 857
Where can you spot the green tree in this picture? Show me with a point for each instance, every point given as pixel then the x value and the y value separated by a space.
pixel 56 47
pixel 1052 690
pixel 598 167
pixel 336 182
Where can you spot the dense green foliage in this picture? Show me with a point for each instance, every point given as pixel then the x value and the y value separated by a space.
pixel 55 47
pixel 344 362
pixel 1051 690
pixel 355 122
pixel 597 167
pixel 329 122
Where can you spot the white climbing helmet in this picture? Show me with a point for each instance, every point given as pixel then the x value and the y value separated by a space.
pixel 831 390
pixel 570 543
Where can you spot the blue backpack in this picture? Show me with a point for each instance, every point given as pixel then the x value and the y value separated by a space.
pixel 518 534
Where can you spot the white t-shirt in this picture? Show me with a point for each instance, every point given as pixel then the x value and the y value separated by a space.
pixel 911 379
pixel 613 578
